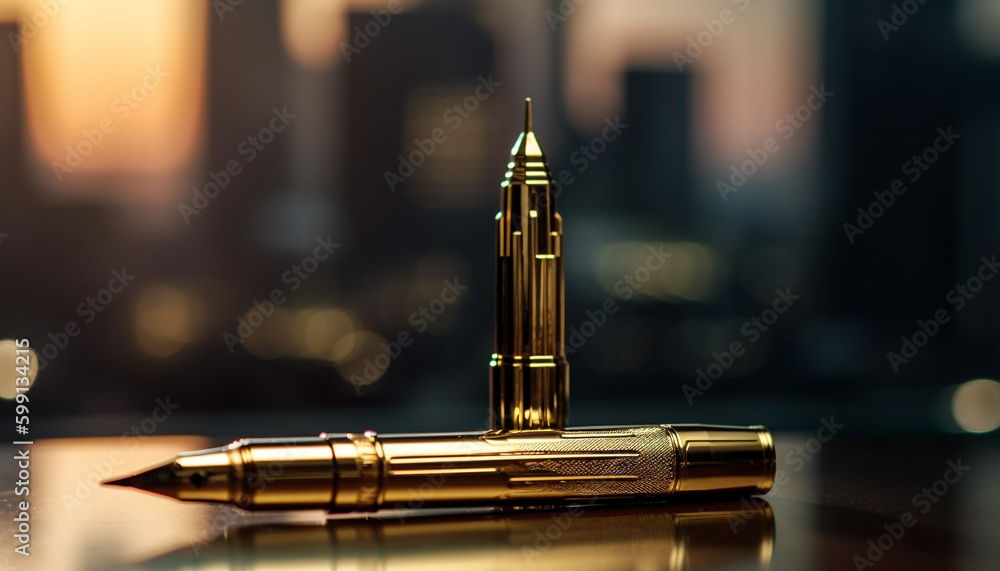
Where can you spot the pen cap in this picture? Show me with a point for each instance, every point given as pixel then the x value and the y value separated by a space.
pixel 722 458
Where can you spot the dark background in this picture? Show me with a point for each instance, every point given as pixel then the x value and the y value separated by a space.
pixel 656 184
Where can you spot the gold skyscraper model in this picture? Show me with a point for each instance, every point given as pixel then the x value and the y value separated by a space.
pixel 528 457
pixel 529 376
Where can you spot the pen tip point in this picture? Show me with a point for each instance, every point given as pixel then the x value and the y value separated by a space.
pixel 134 481
pixel 527 114
pixel 151 479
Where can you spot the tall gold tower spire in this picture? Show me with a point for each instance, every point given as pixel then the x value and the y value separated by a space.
pixel 529 376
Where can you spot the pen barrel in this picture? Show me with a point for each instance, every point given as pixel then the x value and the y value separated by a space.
pixel 546 467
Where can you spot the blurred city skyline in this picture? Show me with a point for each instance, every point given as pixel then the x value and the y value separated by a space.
pixel 251 206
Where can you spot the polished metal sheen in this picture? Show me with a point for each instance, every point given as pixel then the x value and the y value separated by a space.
pixel 528 457
pixel 529 376
pixel 353 472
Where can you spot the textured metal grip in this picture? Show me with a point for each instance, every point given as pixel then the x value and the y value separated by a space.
pixel 603 462
pixel 526 467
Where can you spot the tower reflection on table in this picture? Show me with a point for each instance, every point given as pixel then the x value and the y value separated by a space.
pixel 719 535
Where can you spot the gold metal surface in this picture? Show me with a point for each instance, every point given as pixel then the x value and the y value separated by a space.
pixel 529 375
pixel 579 538
pixel 351 472
pixel 527 458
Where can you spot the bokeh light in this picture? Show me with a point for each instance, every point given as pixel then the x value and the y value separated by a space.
pixel 9 365
pixel 166 319
pixel 693 271
pixel 976 405
pixel 364 358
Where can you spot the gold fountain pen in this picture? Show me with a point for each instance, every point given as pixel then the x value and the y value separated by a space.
pixel 353 472
pixel 528 458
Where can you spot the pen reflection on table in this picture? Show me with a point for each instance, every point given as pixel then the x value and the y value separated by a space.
pixel 721 535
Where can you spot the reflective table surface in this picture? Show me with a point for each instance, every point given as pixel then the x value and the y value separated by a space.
pixel 858 503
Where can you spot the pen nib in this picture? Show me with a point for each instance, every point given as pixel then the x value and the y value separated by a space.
pixel 203 475
pixel 153 480
pixel 128 481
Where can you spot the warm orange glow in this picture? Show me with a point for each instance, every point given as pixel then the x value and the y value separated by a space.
pixel 10 10
pixel 65 479
pixel 756 70
pixel 135 69
pixel 166 319
pixel 325 328
pixel 312 31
